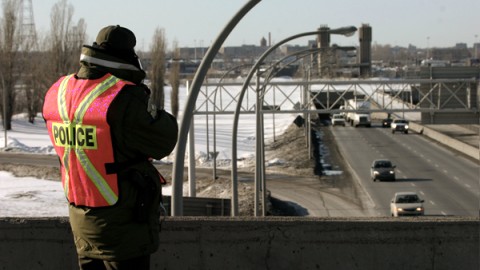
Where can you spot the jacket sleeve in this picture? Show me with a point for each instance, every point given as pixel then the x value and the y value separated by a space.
pixel 136 130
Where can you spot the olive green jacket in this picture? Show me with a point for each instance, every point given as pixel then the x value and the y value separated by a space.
pixel 113 233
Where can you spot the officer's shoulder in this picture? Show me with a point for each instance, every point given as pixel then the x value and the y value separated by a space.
pixel 135 91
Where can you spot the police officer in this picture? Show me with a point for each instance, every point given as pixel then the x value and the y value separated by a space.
pixel 105 134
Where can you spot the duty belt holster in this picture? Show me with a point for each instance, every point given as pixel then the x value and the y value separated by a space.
pixel 146 192
pixel 147 187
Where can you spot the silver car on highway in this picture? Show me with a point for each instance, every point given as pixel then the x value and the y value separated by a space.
pixel 406 204
pixel 399 125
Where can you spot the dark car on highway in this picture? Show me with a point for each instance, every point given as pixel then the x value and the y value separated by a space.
pixel 387 122
pixel 382 169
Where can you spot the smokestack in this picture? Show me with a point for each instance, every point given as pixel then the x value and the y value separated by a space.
pixel 269 39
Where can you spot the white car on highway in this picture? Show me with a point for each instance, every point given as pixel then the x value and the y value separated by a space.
pixel 399 125
pixel 338 120
pixel 406 204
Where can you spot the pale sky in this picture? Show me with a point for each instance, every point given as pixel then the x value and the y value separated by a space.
pixel 423 23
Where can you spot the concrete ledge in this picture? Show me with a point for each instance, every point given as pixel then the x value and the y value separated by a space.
pixel 267 243
pixel 446 140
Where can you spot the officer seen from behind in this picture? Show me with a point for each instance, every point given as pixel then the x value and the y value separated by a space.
pixel 100 124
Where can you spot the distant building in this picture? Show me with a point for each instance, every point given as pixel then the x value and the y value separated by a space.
pixel 461 46
pixel 476 51
pixel 454 54
pixel 331 60
pixel 244 51
pixel 290 49
pixel 263 42
pixel 365 54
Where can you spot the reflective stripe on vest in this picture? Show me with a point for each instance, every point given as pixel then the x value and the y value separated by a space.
pixel 78 141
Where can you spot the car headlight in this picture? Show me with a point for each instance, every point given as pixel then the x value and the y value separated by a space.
pixel 392 172
pixel 399 209
pixel 419 209
pixel 406 126
pixel 375 172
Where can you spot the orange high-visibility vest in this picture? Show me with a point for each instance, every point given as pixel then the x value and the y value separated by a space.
pixel 75 111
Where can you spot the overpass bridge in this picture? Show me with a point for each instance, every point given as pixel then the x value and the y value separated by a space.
pixel 431 96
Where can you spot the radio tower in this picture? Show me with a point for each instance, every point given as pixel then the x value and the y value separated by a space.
pixel 27 25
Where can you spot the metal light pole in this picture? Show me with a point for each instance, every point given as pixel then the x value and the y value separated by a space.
pixel 260 178
pixel 177 173
pixel 428 48
pixel 215 117
pixel 343 31
pixel 191 157
pixel 4 110
pixel 476 46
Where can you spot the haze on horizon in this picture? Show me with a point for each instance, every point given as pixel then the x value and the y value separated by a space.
pixel 193 23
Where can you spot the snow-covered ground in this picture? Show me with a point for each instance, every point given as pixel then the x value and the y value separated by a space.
pixel 26 196
pixel 30 197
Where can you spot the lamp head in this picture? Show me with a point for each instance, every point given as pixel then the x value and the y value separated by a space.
pixel 347 31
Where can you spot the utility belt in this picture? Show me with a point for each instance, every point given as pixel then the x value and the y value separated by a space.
pixel 148 187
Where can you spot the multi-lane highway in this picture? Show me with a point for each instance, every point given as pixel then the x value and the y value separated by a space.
pixel 447 181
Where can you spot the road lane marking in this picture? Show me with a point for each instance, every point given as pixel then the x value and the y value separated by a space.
pixel 456 178
pixel 445 171
pixel 432 202
pixel 421 192
pixel 413 185
pixel 467 185
pixel 443 213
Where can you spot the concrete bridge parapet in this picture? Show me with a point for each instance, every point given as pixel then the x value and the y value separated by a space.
pixel 267 243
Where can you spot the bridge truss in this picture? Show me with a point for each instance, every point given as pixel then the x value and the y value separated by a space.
pixel 326 96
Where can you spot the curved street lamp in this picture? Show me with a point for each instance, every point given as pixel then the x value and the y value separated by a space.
pixel 270 72
pixel 347 31
pixel 177 173
pixel 215 116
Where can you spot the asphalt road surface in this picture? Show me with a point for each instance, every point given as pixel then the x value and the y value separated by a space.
pixel 446 180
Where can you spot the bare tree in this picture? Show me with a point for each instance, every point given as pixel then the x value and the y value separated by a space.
pixel 32 91
pixel 56 55
pixel 36 82
pixel 157 67
pixel 174 78
pixel 66 39
pixel 30 63
pixel 382 52
pixel 10 43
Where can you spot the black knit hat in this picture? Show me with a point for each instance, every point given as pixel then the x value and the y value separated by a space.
pixel 117 38
pixel 119 42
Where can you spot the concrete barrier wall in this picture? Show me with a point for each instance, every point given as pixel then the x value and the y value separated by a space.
pixel 267 243
pixel 446 140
